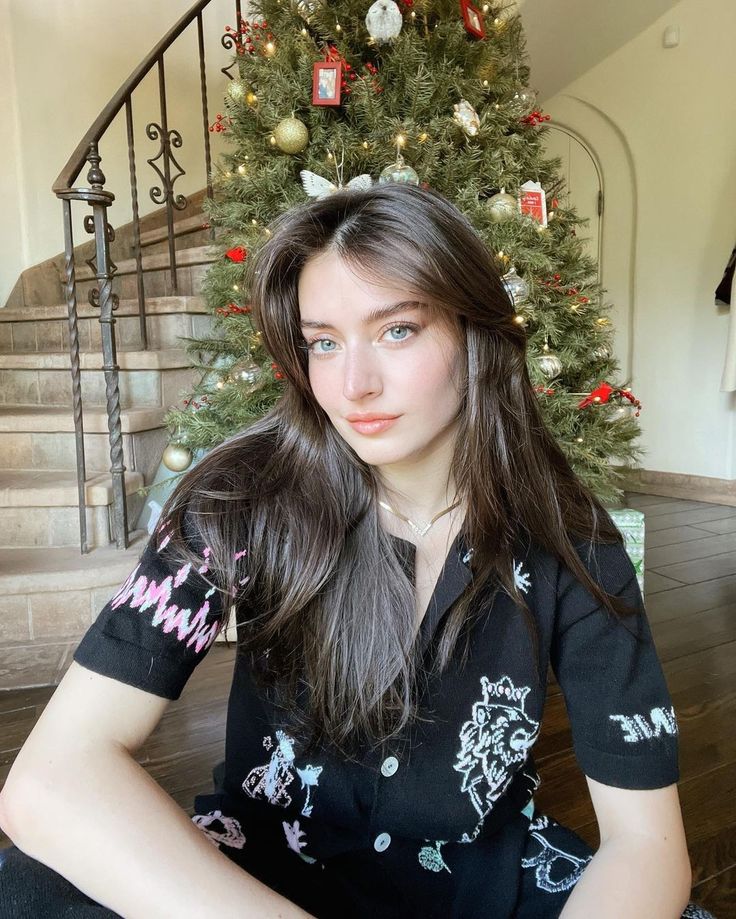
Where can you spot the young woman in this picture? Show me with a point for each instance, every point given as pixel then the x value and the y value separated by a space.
pixel 404 549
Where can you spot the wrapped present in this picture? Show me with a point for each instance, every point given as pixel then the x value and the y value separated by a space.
pixel 631 524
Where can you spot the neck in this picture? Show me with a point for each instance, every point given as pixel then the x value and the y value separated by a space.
pixel 422 487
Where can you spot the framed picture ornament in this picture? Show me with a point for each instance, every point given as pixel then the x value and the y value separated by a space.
pixel 473 19
pixel 326 81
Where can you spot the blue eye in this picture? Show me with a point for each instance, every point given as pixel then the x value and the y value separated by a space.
pixel 319 352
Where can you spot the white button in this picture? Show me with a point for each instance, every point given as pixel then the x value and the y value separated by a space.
pixel 389 765
pixel 382 842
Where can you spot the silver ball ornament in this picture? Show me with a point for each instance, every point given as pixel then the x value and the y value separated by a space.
pixel 549 363
pixel 399 172
pixel 502 206
pixel 516 286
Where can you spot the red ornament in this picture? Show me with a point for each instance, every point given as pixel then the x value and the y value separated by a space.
pixel 236 254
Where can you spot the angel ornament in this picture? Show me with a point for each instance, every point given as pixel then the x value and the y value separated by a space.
pixel 384 21
pixel 317 186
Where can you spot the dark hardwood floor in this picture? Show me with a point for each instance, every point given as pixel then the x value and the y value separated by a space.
pixel 690 593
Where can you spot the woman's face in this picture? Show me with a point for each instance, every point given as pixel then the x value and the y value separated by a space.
pixel 406 364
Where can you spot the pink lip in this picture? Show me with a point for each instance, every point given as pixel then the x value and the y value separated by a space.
pixel 373 427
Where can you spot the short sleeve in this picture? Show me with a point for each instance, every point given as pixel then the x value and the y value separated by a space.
pixel 624 727
pixel 159 625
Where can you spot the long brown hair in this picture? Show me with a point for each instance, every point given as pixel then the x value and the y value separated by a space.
pixel 326 611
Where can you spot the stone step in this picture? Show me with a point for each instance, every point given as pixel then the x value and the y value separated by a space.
pixel 39 507
pixel 146 379
pixel 42 437
pixel 46 328
pixel 48 598
pixel 157 281
pixel 32 488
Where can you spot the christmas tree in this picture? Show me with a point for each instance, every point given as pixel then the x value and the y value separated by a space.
pixel 433 92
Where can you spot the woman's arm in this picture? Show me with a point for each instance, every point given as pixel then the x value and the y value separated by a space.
pixel 77 801
pixel 642 868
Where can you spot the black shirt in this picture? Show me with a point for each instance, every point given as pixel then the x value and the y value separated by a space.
pixel 439 822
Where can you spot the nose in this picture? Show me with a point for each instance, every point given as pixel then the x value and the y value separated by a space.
pixel 361 373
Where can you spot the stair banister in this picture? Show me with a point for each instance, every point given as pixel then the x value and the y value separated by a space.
pixel 94 194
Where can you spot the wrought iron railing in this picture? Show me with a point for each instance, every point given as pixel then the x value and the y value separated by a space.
pixel 100 200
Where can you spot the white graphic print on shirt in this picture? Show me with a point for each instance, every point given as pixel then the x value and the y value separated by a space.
pixel 220 829
pixel 521 578
pixel 496 738
pixel 294 840
pixel 270 781
pixel 430 857
pixel 546 861
pixel 637 728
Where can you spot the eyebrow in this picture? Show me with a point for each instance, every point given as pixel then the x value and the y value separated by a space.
pixel 380 312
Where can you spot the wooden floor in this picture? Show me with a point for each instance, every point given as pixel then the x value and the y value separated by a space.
pixel 690 593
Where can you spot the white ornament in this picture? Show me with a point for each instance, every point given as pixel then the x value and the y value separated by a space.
pixel 467 117
pixel 317 186
pixel 384 20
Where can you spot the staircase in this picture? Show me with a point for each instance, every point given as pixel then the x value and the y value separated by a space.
pixel 49 591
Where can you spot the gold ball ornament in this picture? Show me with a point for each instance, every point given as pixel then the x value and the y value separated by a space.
pixel 549 363
pixel 291 135
pixel 467 117
pixel 502 207
pixel 177 457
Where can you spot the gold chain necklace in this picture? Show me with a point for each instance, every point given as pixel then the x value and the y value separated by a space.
pixel 420 531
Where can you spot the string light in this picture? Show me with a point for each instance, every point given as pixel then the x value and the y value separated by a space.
pixel 241 169
pixel 269 49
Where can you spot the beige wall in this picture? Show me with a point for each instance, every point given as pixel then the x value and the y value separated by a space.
pixel 14 249
pixel 60 64
pixel 666 117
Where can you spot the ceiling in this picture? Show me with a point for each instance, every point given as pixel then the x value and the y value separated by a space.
pixel 565 38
